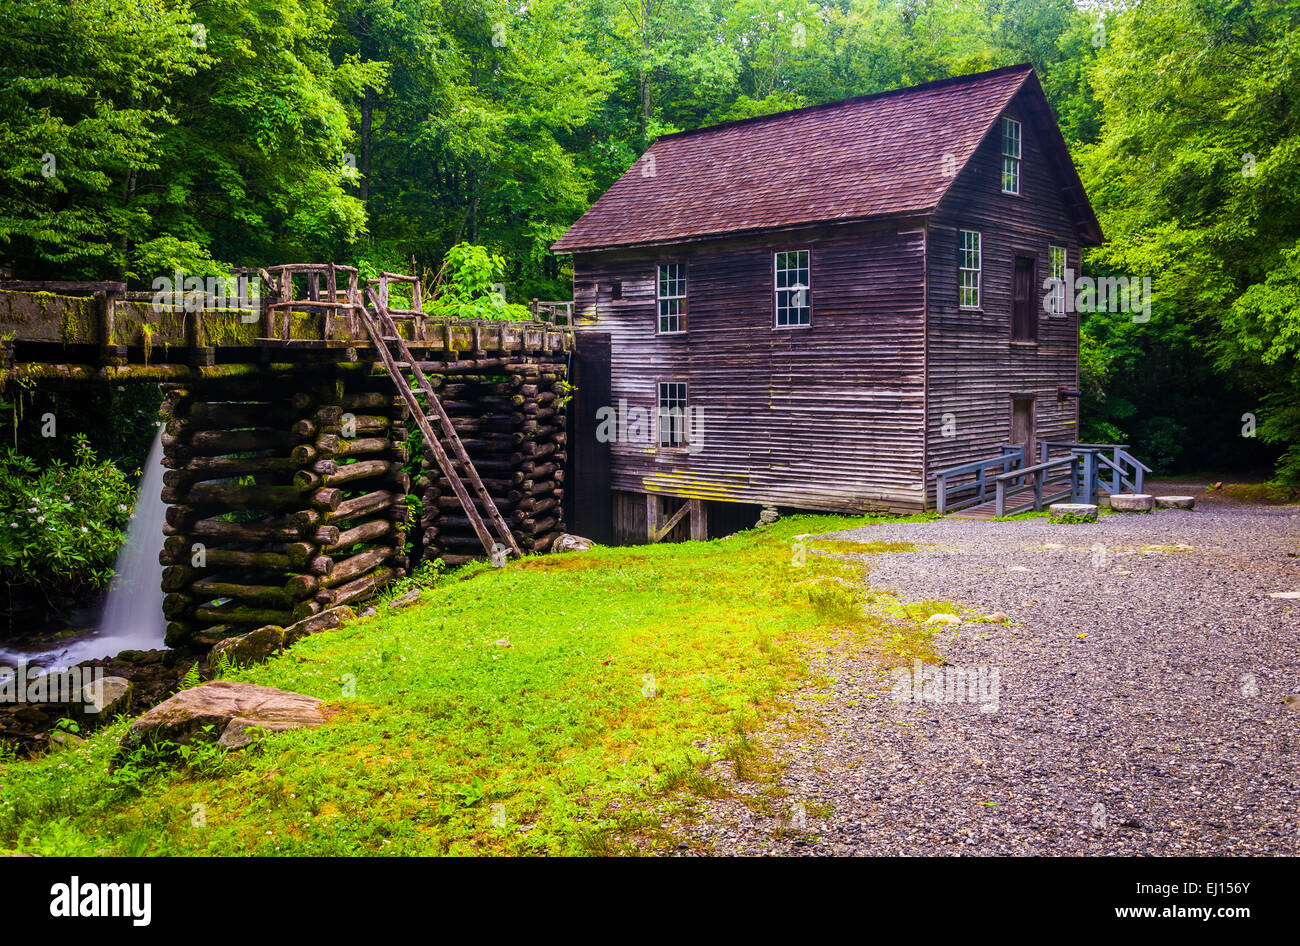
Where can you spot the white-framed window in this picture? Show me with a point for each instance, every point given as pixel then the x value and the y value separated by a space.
pixel 672 415
pixel 969 264
pixel 1010 156
pixel 671 295
pixel 1056 298
pixel 793 284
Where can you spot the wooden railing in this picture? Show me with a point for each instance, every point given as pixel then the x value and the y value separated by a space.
pixel 1126 471
pixel 1040 475
pixel 946 492
pixel 557 313
pixel 1081 474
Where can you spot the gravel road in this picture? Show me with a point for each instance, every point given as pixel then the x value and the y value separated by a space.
pixel 1164 730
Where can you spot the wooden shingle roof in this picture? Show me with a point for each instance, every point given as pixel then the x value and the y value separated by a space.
pixel 889 154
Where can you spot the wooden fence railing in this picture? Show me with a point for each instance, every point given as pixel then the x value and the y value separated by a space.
pixel 1083 472
pixel 948 494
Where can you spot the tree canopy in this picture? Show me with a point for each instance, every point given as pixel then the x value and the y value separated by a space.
pixel 139 136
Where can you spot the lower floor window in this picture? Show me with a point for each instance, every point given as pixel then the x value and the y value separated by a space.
pixel 672 413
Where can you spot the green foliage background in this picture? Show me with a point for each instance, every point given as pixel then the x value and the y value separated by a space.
pixel 137 136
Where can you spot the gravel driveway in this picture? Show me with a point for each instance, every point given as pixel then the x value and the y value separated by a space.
pixel 1162 731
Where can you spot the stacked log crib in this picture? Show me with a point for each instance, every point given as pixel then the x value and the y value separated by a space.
pixel 286 496
pixel 511 420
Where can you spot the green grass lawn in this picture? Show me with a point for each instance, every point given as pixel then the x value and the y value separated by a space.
pixel 563 704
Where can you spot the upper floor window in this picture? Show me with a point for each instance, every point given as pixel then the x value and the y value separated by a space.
pixel 793 286
pixel 672 414
pixel 1056 294
pixel 969 264
pixel 672 298
pixel 1010 156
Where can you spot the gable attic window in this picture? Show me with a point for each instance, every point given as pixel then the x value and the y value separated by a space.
pixel 969 264
pixel 1010 156
pixel 793 284
pixel 671 294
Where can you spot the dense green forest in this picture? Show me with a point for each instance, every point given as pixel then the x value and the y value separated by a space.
pixel 138 136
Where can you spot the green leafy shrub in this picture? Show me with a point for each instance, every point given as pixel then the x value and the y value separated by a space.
pixel 467 288
pixel 61 527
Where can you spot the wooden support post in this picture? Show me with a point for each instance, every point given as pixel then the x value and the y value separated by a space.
pixel 699 522
pixel 658 534
pixel 331 286
pixel 652 517
pixel 286 295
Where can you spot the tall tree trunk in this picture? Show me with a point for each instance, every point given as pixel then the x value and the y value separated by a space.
pixel 367 122
pixel 473 206
pixel 124 244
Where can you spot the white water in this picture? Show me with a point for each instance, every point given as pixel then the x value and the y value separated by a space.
pixel 133 618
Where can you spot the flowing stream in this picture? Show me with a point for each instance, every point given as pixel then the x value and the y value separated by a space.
pixel 132 617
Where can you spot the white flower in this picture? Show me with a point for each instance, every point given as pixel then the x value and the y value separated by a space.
pixel 33 509
pixel 84 529
pixel 40 519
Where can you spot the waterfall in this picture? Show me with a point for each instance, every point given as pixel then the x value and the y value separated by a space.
pixel 133 618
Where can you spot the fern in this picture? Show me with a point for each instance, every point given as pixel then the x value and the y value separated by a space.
pixel 191 678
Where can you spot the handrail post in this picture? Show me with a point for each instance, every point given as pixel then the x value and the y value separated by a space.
pixel 1000 503
pixel 1038 490
pixel 1089 458
pixel 941 493
pixel 979 478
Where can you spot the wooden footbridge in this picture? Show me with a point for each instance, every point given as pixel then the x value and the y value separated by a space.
pixel 286 440
pixel 1003 485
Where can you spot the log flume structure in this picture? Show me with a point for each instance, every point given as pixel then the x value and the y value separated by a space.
pixel 300 422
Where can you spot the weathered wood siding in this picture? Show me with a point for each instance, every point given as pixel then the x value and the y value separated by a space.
pixel 826 417
pixel 973 367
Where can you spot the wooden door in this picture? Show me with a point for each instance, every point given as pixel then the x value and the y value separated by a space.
pixel 1024 313
pixel 1022 427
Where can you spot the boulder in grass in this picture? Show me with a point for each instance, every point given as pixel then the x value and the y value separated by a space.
pixel 325 621
pixel 1175 502
pixel 1132 502
pixel 251 648
pixel 1072 512
pixel 943 619
pixel 224 712
pixel 572 543
pixel 104 699
pixel 405 600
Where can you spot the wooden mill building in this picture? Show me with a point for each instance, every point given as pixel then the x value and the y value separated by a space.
pixel 820 308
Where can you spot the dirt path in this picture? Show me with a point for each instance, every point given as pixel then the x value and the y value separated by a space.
pixel 1139 699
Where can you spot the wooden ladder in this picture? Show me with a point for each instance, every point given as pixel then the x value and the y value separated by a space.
pixel 397 357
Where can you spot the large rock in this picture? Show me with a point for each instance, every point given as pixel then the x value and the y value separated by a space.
pixel 105 699
pixel 1176 502
pixel 225 712
pixel 1132 502
pixel 1072 512
pixel 325 621
pixel 251 648
pixel 572 543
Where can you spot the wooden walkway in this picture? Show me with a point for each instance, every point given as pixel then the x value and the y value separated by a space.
pixel 1016 498
pixel 988 510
